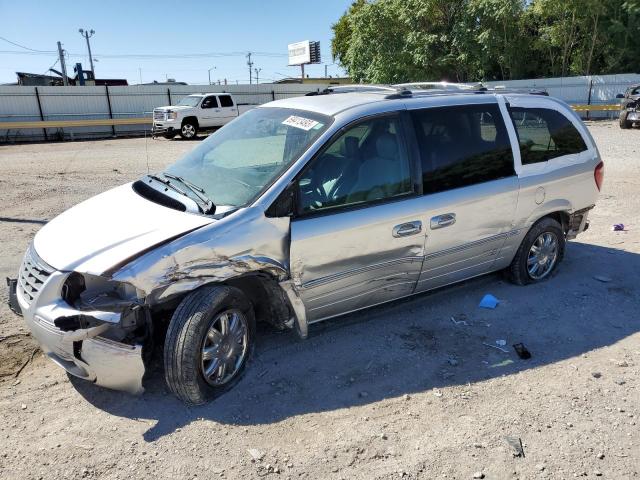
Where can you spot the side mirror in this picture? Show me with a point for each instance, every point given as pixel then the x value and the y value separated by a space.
pixel 619 95
pixel 284 204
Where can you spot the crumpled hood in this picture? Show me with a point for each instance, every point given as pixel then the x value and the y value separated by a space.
pixel 109 228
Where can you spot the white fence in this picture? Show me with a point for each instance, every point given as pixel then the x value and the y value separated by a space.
pixel 18 103
pixel 585 90
pixel 98 102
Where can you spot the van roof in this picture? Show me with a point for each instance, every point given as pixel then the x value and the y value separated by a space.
pixel 334 100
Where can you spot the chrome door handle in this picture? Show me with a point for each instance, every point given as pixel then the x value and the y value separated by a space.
pixel 441 221
pixel 406 229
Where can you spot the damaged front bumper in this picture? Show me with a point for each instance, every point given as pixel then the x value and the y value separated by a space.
pixel 633 115
pixel 83 352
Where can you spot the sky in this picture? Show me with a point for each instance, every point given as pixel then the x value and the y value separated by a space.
pixel 180 39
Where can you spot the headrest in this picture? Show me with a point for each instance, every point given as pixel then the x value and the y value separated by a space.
pixel 328 167
pixel 387 146
pixel 351 146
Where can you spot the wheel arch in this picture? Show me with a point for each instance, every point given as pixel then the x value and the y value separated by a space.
pixel 269 300
pixel 192 118
pixel 559 210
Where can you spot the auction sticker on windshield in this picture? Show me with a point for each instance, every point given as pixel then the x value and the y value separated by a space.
pixel 301 122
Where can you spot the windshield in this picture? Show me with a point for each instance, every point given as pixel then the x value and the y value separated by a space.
pixel 235 164
pixel 190 101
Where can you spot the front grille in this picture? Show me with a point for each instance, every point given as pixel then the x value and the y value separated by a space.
pixel 158 115
pixel 33 273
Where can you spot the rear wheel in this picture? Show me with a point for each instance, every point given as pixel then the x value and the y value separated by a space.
pixel 189 130
pixel 539 253
pixel 209 341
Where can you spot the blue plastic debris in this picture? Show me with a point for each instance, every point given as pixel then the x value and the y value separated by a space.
pixel 489 301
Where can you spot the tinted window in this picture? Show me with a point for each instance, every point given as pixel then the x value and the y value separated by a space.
pixel 461 146
pixel 225 101
pixel 544 134
pixel 367 162
pixel 210 102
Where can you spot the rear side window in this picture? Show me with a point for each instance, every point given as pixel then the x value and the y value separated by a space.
pixel 210 102
pixel 462 146
pixel 225 101
pixel 545 134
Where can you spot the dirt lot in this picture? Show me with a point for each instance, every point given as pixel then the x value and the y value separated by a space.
pixel 400 391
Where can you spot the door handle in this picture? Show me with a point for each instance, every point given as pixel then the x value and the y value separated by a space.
pixel 441 221
pixel 406 229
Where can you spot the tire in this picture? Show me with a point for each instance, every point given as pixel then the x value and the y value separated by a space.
pixel 189 130
pixel 624 123
pixel 519 270
pixel 187 337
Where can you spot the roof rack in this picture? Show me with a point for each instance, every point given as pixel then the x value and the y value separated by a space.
pixel 441 86
pixel 393 91
pixel 404 90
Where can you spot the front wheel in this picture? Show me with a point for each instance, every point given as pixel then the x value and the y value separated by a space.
pixel 539 253
pixel 209 341
pixel 624 123
pixel 189 130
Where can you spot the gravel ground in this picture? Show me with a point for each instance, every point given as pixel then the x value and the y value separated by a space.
pixel 399 391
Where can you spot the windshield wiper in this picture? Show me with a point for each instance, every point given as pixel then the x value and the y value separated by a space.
pixel 209 206
pixel 167 183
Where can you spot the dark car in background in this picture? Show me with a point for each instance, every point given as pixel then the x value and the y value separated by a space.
pixel 630 106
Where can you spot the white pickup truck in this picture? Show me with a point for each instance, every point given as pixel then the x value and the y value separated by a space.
pixel 196 113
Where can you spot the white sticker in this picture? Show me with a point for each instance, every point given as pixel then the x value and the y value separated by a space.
pixel 301 122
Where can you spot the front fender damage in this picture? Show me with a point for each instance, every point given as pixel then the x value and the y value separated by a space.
pixel 170 278
pixel 217 253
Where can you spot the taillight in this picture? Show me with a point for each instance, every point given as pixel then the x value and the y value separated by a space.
pixel 598 175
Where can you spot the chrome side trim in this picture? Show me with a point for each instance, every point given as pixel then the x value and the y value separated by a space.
pixel 340 275
pixel 368 292
pixel 451 272
pixel 357 285
pixel 476 243
pixel 322 319
pixel 367 268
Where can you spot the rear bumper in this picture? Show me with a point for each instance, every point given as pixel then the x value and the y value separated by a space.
pixel 83 352
pixel 578 222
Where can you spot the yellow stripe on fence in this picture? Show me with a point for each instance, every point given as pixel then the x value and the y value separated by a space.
pixel 74 123
pixel 147 120
pixel 595 108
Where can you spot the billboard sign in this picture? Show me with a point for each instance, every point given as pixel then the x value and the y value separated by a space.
pixel 300 53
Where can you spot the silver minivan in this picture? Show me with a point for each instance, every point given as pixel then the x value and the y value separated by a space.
pixel 301 210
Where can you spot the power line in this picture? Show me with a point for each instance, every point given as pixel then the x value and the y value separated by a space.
pixel 26 48
pixel 141 56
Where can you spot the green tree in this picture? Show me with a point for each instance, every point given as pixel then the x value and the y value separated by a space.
pixel 342 31
pixel 386 41
pixel 503 49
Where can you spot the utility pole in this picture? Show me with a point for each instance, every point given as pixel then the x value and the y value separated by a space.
pixel 325 70
pixel 209 71
pixel 250 63
pixel 257 70
pixel 63 66
pixel 87 34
